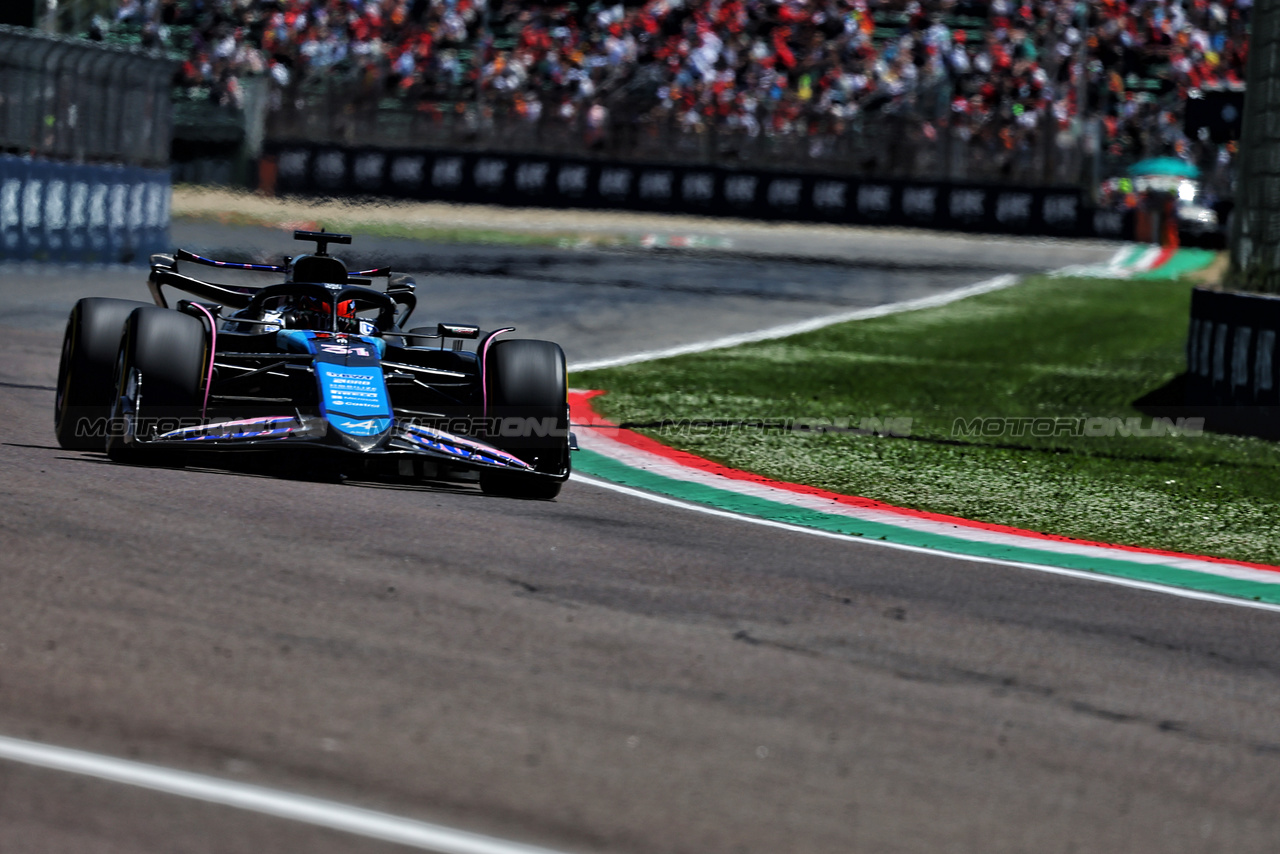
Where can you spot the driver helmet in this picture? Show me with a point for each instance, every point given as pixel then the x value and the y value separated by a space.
pixel 313 313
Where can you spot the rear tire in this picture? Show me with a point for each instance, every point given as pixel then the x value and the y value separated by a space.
pixel 89 349
pixel 159 376
pixel 526 385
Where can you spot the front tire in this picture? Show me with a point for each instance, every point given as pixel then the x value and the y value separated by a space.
pixel 89 349
pixel 510 485
pixel 159 376
pixel 527 390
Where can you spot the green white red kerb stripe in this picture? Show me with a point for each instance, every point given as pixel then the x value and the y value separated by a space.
pixel 627 458
pixel 1144 261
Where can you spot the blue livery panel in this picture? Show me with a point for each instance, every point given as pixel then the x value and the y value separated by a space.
pixel 348 368
pixel 354 399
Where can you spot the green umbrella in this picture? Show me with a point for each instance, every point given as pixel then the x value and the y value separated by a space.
pixel 1164 166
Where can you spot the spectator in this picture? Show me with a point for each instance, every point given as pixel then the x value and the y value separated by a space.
pixel 1013 75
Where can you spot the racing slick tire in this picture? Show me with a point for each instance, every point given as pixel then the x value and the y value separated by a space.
pixel 89 350
pixel 526 385
pixel 158 379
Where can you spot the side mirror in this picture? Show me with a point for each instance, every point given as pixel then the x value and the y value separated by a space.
pixel 401 282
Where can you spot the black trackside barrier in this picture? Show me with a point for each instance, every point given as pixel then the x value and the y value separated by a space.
pixel 1231 379
pixel 1231 349
pixel 541 180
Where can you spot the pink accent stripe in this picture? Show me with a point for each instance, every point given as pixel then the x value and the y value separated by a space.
pixel 484 370
pixel 582 413
pixel 245 422
pixel 213 349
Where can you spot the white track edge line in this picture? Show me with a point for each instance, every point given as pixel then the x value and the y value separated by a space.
pixel 280 804
pixel 595 440
pixel 1051 570
pixel 1120 255
pixel 810 325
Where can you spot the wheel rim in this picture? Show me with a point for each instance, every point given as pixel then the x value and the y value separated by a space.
pixel 124 406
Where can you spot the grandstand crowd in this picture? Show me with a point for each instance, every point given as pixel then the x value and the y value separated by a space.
pixel 1011 70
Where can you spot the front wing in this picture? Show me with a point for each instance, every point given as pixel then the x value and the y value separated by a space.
pixel 294 431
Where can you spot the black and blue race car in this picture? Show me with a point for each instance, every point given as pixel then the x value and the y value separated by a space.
pixel 321 365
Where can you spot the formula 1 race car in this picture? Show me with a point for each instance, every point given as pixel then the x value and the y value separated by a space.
pixel 320 363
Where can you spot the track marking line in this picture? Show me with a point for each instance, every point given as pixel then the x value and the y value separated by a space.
pixel 801 326
pixel 817 532
pixel 623 459
pixel 638 454
pixel 272 802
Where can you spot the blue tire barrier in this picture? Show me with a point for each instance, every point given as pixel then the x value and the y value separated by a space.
pixel 67 212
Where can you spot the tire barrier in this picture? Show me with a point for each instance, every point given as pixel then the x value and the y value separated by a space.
pixel 558 182
pixel 81 213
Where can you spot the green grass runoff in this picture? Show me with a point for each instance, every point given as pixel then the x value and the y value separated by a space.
pixel 1048 348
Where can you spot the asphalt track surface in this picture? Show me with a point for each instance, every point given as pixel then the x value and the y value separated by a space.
pixel 596 673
